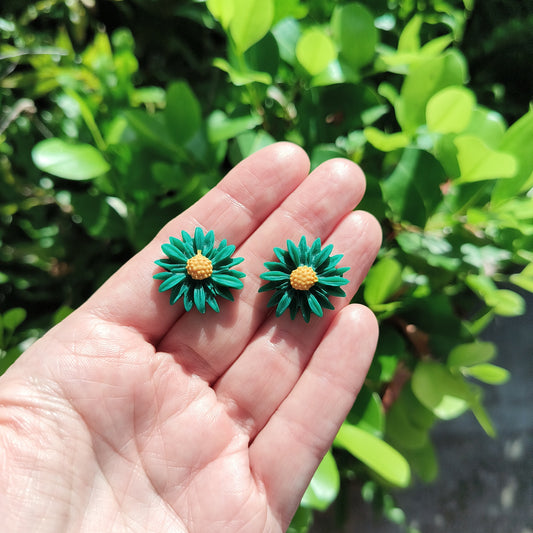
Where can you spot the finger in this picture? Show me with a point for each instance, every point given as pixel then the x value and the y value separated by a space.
pixel 275 359
pixel 313 209
pixel 286 453
pixel 233 210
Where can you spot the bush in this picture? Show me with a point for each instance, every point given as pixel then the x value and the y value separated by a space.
pixel 102 143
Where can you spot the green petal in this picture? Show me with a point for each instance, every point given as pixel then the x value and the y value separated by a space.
pixel 270 286
pixel 188 242
pixel 178 292
pixel 324 254
pixel 162 275
pixel 211 300
pixel 306 312
pixel 198 239
pixel 303 250
pixel 274 265
pixel 293 253
pixel 284 303
pixel 275 275
pixel 228 281
pixel 209 241
pixel 222 291
pixel 335 291
pixel 174 253
pixel 223 253
pixel 293 309
pixel 199 298
pixel 314 305
pixel 281 254
pixel 188 301
pixel 332 281
pixel 171 282
pixel 178 244
pixel 322 297
pixel 235 261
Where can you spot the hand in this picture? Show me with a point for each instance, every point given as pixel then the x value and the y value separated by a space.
pixel 132 415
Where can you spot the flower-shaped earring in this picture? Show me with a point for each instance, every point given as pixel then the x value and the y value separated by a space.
pixel 303 279
pixel 197 271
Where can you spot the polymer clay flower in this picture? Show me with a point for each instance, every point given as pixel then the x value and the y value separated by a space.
pixel 197 271
pixel 303 279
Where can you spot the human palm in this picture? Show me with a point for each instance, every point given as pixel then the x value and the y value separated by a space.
pixel 132 415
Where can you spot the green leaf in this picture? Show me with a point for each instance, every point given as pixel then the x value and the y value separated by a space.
pixel 442 392
pixel 478 162
pixel 506 303
pixel 288 8
pixel 423 81
pixel 524 279
pixel 386 142
pixel 367 412
pixel 375 453
pixel 315 50
pixel 413 189
pixel 470 354
pixel 382 281
pixel 220 127
pixel 238 77
pixel 352 27
pixel 450 110
pixel 488 373
pixel 69 161
pixel 517 142
pixel 222 10
pixel 324 486
pixel 13 318
pixel 183 114
pixel 250 22
pixel 487 125
pixel 301 521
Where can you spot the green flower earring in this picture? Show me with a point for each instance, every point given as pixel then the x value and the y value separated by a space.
pixel 303 279
pixel 197 271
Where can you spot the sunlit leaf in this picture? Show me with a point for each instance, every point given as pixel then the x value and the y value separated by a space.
pixel 470 354
pixel 324 485
pixel 69 161
pixel 315 50
pixel 250 22
pixel 375 453
pixel 488 373
pixel 382 281
pixel 450 110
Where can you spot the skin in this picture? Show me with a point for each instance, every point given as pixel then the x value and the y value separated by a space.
pixel 132 415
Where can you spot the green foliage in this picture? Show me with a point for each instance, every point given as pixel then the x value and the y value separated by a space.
pixel 102 141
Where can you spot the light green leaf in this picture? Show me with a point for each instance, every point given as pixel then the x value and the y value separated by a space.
pixel 478 162
pixel 506 303
pixel 183 114
pixel 13 318
pixel 69 161
pixel 382 281
pixel 324 485
pixel 487 125
pixel 524 279
pixel 220 127
pixel 315 50
pixel 386 142
pixel 250 22
pixel 442 392
pixel 517 142
pixel 409 40
pixel 375 453
pixel 352 27
pixel 470 354
pixel 222 10
pixel 238 77
pixel 425 79
pixel 450 110
pixel 488 373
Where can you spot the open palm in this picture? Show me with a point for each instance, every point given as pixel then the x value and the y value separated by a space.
pixel 132 415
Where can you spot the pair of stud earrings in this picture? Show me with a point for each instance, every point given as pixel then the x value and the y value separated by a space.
pixel 303 278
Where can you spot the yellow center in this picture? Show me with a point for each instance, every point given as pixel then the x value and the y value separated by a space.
pixel 303 278
pixel 199 266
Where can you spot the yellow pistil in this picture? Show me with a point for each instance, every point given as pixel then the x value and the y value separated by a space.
pixel 303 278
pixel 199 267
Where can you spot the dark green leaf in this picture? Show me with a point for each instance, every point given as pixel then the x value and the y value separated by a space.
pixel 183 114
